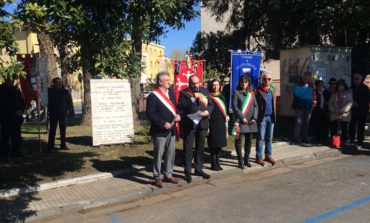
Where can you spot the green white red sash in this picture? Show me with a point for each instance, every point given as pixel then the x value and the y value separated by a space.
pixel 220 103
pixel 165 100
pixel 169 105
pixel 203 99
pixel 247 103
pixel 245 107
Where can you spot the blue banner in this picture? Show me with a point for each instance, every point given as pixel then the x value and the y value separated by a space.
pixel 244 62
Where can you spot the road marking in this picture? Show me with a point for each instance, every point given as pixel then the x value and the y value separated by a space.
pixel 115 219
pixel 339 210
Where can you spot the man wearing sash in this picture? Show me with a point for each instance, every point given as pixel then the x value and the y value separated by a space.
pixel 161 111
pixel 265 96
pixel 194 100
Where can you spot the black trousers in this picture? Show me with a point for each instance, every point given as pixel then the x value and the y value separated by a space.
pixel 247 146
pixel 320 126
pixel 359 121
pixel 10 133
pixel 56 119
pixel 339 128
pixel 199 135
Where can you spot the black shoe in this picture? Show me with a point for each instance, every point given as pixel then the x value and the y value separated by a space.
pixel 215 168
pixel 360 143
pixel 188 178
pixel 247 163
pixel 241 164
pixel 203 175
pixel 64 147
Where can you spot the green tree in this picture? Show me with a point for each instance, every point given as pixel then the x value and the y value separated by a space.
pixel 9 69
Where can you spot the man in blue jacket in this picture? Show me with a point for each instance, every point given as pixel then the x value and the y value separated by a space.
pixel 161 111
pixel 304 101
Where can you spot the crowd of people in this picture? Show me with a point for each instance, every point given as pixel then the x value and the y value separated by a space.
pixel 332 114
pixel 203 114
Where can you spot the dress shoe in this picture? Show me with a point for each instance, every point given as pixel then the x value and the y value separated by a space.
pixel 64 147
pixel 270 160
pixel 247 163
pixel 188 178
pixel 172 180
pixel 203 175
pixel 260 162
pixel 159 183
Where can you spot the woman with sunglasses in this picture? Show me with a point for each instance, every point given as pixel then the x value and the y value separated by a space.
pixel 217 124
pixel 265 96
pixel 245 113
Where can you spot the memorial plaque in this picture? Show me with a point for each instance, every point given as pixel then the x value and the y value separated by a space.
pixel 111 110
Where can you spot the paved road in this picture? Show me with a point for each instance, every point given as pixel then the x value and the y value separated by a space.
pixel 330 190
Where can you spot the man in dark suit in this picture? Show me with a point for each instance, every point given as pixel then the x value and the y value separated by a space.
pixel 60 103
pixel 161 111
pixel 360 109
pixel 194 99
pixel 11 110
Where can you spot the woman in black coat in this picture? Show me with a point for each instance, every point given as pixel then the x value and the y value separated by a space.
pixel 217 124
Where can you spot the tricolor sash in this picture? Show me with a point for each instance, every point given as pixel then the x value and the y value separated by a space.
pixel 203 99
pixel 165 100
pixel 245 107
pixel 168 103
pixel 247 103
pixel 220 103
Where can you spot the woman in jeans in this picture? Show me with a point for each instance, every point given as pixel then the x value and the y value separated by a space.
pixel 245 113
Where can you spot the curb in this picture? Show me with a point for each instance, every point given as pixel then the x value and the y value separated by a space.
pixel 152 191
pixel 5 193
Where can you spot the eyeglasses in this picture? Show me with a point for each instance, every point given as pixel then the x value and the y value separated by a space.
pixel 268 79
pixel 356 79
pixel 333 83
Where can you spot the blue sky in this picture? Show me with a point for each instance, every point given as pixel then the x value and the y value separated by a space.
pixel 181 39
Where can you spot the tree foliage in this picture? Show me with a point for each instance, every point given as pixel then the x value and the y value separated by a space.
pixel 275 25
pixel 9 69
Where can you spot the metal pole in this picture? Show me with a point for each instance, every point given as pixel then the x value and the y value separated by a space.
pixel 38 122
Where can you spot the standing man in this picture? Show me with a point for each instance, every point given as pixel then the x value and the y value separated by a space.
pixel 265 95
pixel 11 110
pixel 60 103
pixel 360 109
pixel 194 99
pixel 303 103
pixel 161 111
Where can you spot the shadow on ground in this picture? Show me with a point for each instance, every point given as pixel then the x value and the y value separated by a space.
pixel 28 172
pixel 80 140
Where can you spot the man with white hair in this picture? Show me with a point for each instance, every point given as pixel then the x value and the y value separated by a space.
pixel 162 112
pixel 266 98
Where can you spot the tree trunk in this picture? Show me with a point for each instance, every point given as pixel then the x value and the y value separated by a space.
pixel 86 110
pixel 47 49
pixel 135 82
